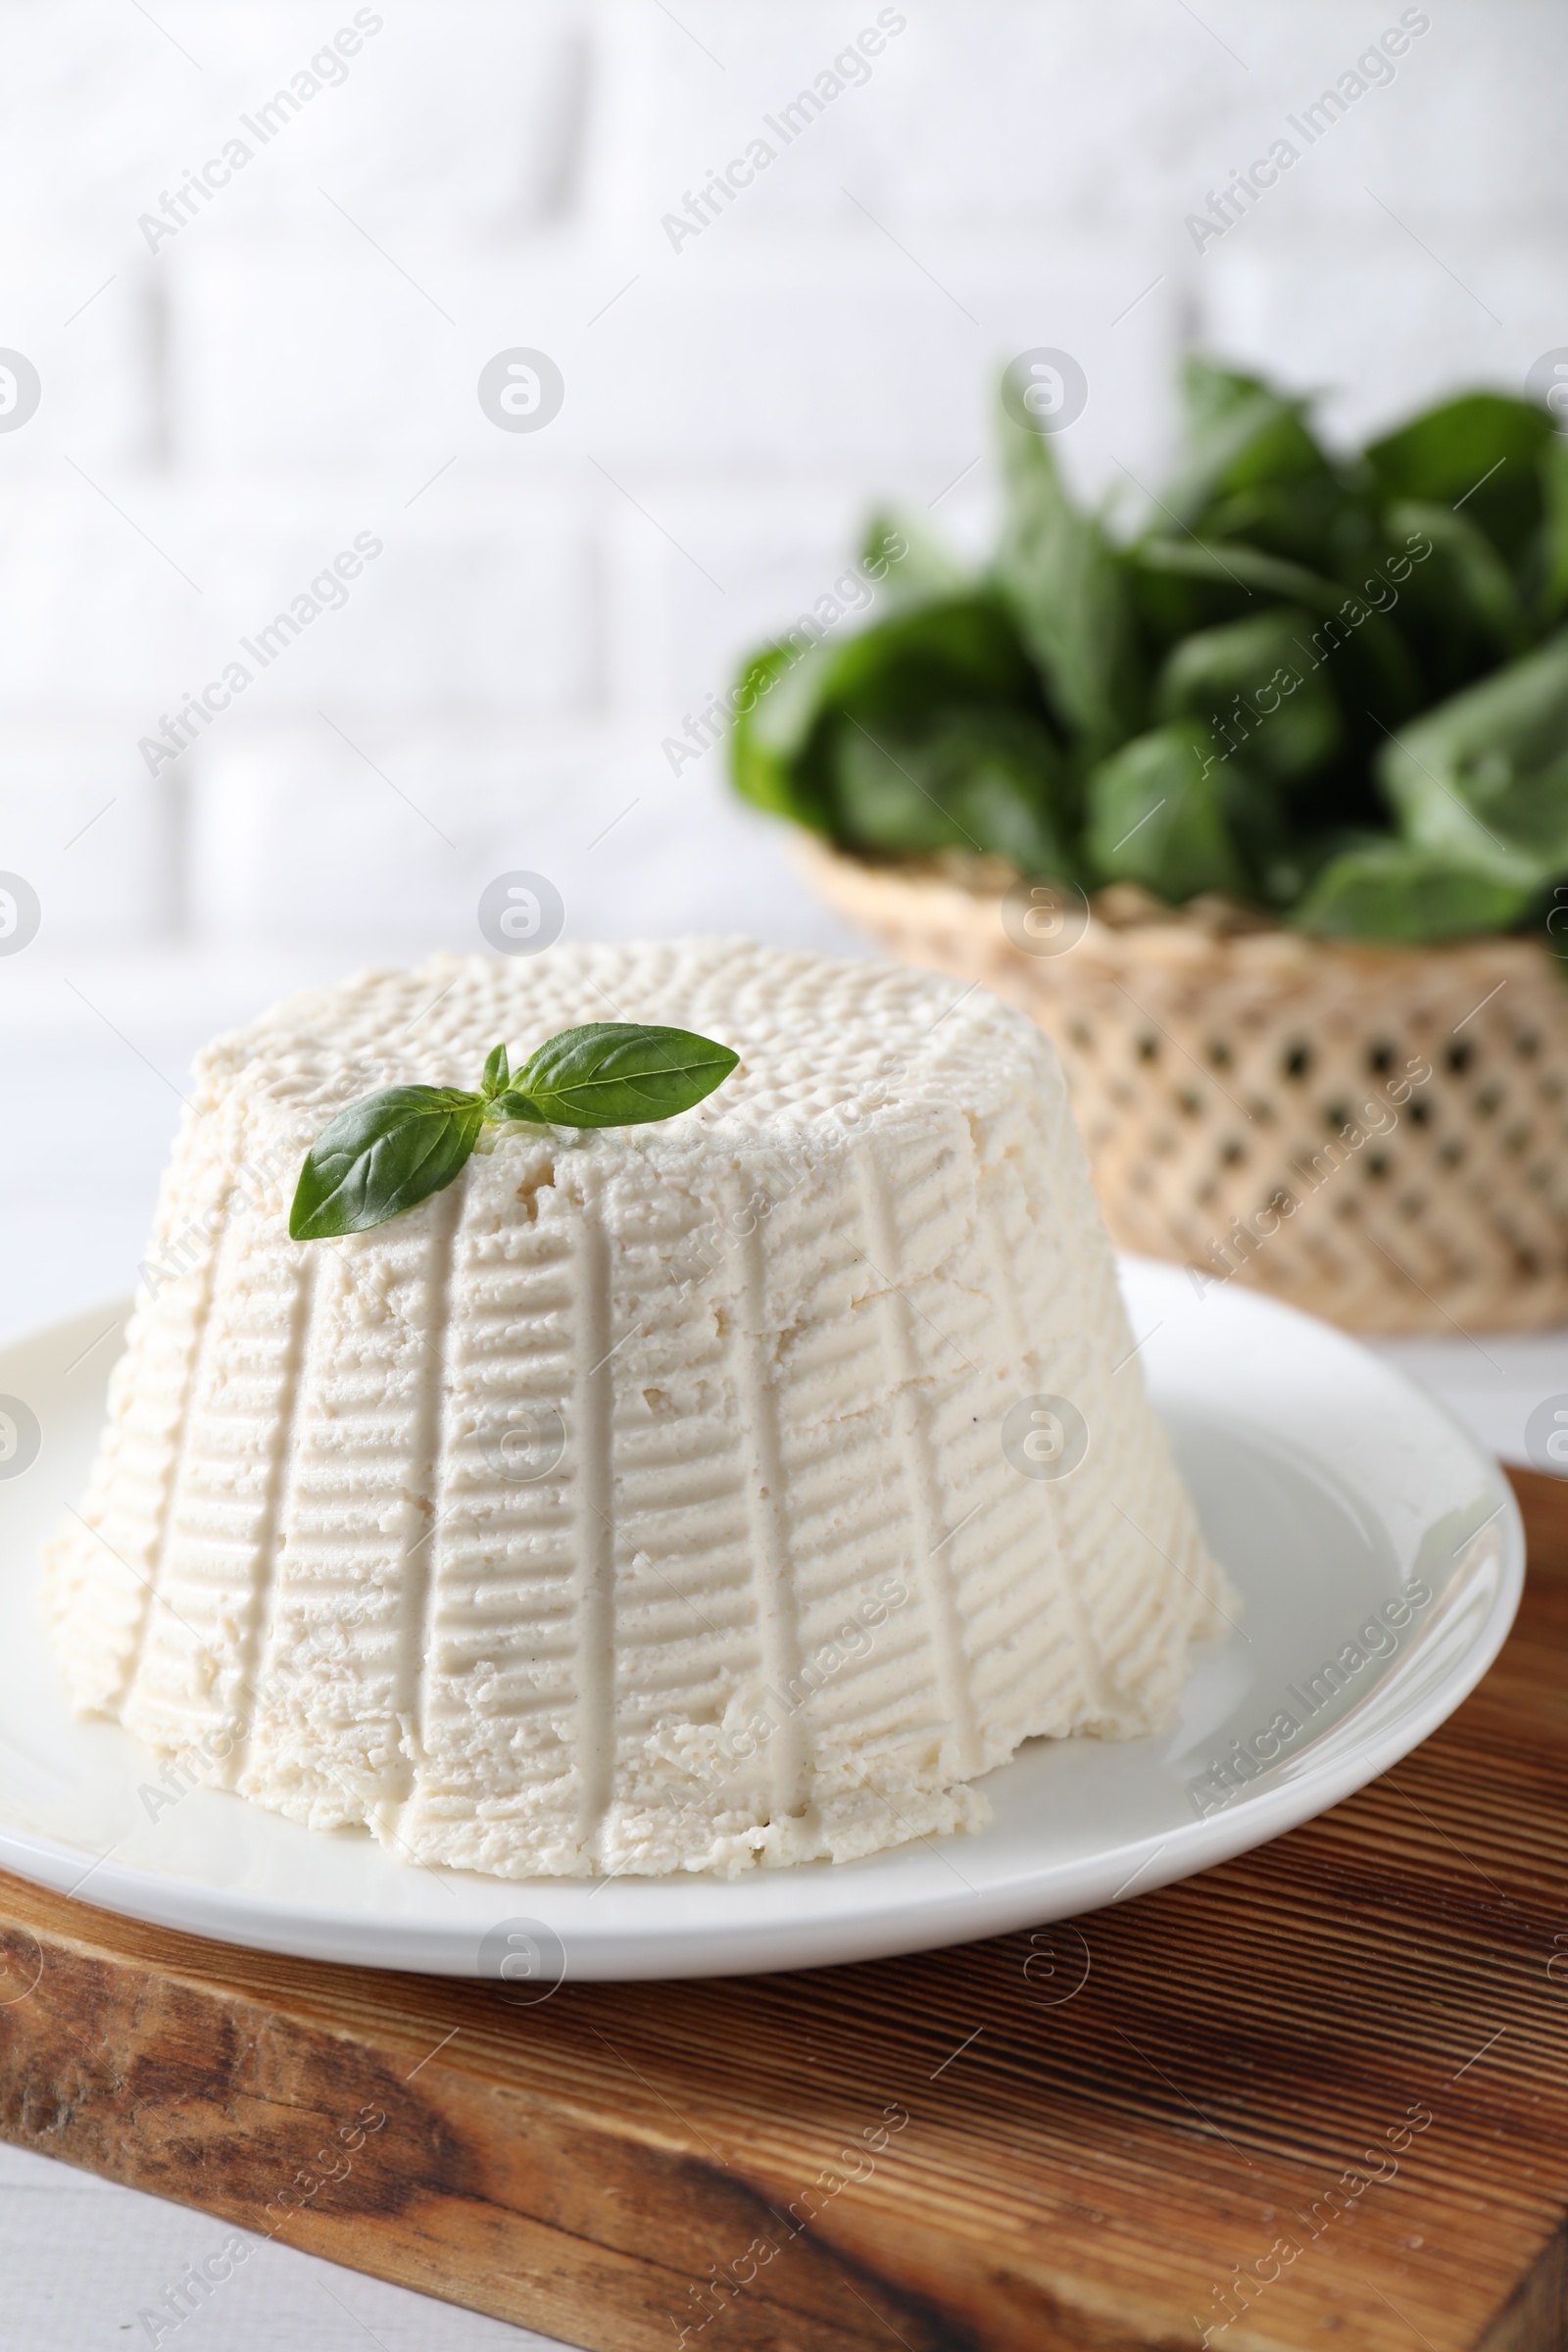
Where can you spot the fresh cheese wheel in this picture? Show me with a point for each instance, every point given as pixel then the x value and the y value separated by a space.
pixel 725 1492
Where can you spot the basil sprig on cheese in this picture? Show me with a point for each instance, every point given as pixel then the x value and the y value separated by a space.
pixel 390 1151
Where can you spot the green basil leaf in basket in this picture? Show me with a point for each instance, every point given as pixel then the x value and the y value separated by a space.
pixel 1157 814
pixel 621 1074
pixel 381 1156
pixel 1180 586
pixel 1484 778
pixel 989 782
pixel 1244 571
pixel 929 659
pixel 1241 436
pixel 1479 454
pixel 778 698
pixel 1262 684
pixel 1068 592
pixel 1550 584
pixel 1399 893
pixel 1458 593
pixel 905 562
pixel 915 667
pixel 1309 681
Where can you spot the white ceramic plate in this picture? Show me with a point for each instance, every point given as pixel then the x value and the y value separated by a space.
pixel 1326 1485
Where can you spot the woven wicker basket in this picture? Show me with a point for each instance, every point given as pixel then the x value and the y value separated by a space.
pixel 1252 1100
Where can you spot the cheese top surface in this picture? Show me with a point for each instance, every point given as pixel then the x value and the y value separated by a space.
pixel 646 1500
pixel 819 1040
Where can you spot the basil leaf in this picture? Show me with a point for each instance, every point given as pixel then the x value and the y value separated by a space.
pixel 1243 440
pixel 1070 595
pixel 1394 891
pixel 619 1074
pixel 778 701
pixel 1484 778
pixel 929 657
pixel 1464 591
pixel 513 1105
pixel 391 1151
pixel 1245 569
pixel 1483 450
pixel 1157 814
pixel 924 573
pixel 1551 594
pixel 1259 683
pixel 805 701
pixel 991 780
pixel 381 1156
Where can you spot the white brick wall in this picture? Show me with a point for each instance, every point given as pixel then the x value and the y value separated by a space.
pixel 299 363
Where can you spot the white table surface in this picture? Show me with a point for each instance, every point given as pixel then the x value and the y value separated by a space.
pixel 92 1058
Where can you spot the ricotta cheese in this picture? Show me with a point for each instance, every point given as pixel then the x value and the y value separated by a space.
pixel 647 1499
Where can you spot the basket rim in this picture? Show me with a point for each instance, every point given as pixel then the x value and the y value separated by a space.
pixel 1126 923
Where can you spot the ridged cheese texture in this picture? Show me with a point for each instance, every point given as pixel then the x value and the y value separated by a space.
pixel 639 1502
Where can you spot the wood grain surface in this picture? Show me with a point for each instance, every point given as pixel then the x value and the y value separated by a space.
pixel 1315 2097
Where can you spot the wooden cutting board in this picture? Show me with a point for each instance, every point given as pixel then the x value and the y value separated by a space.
pixel 1323 2089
